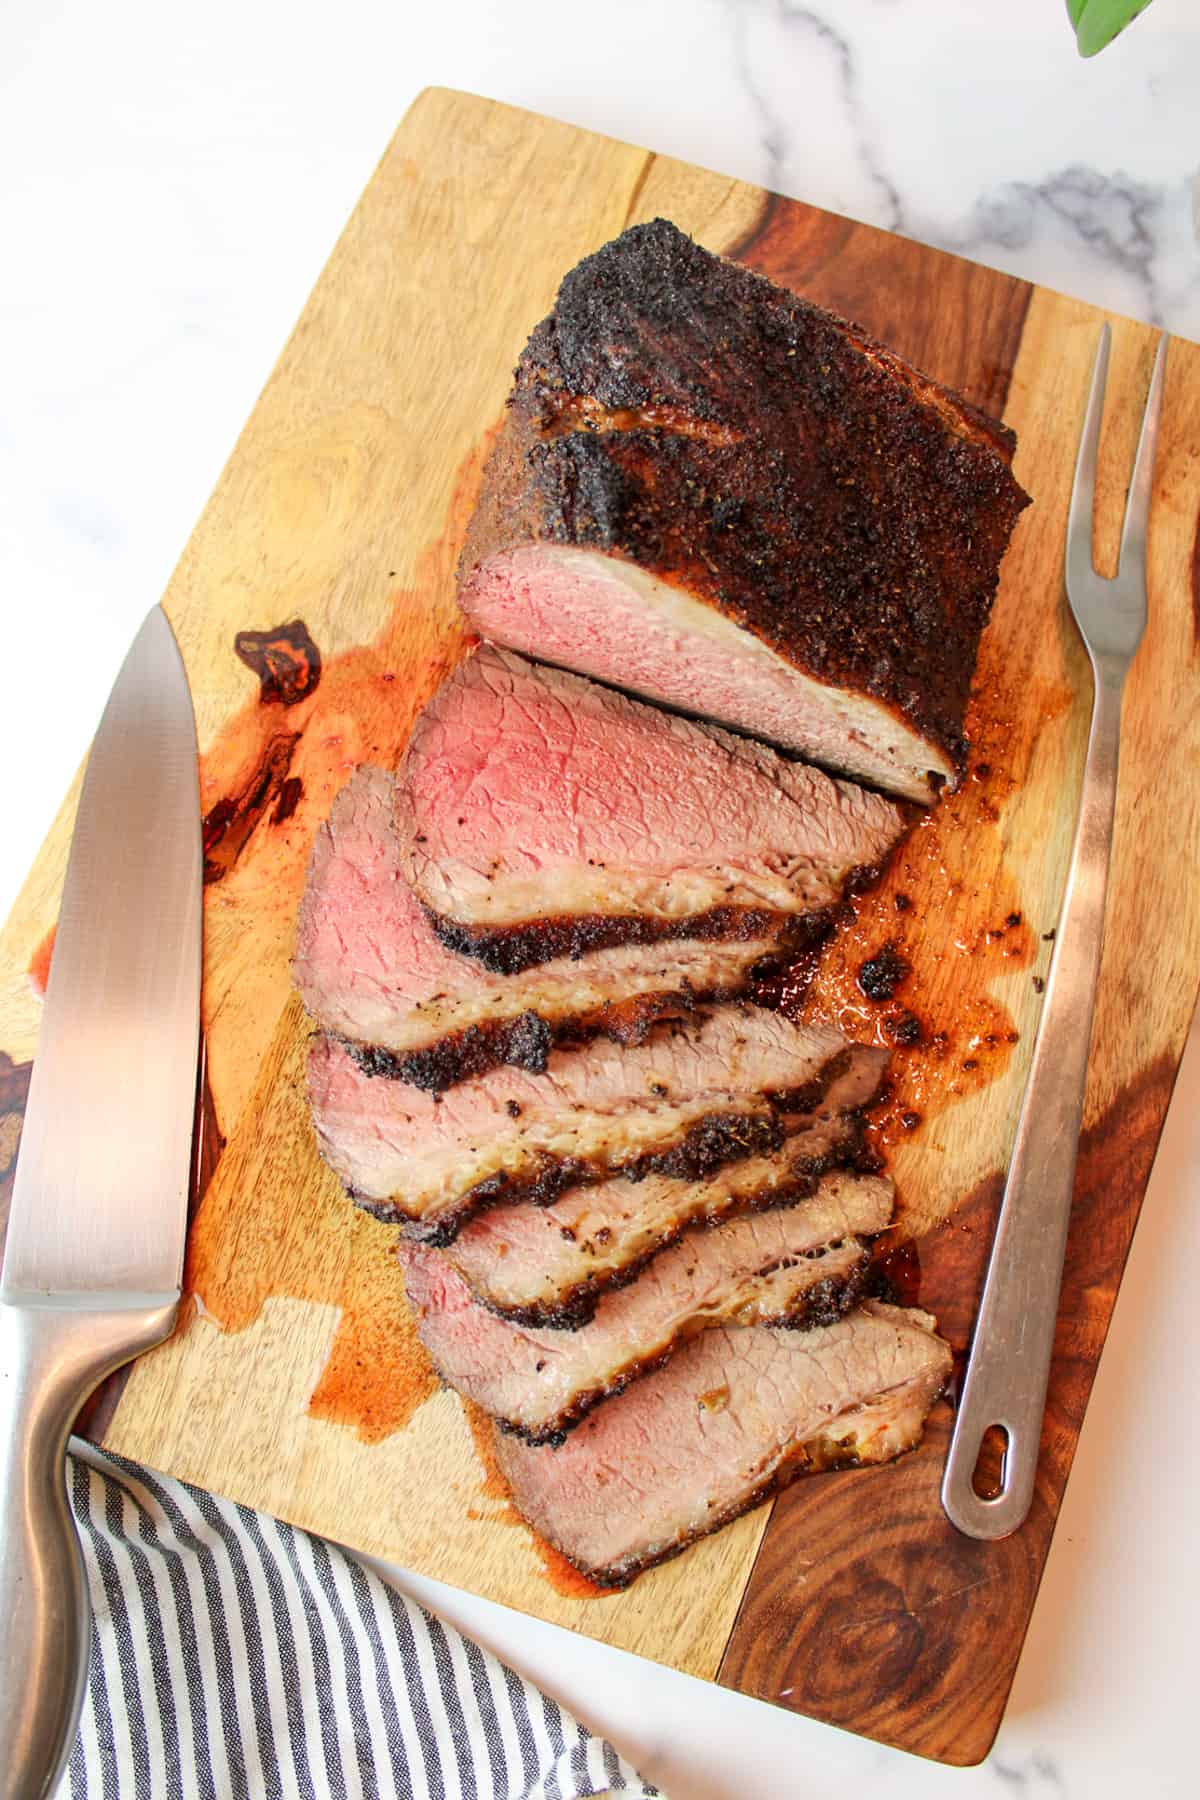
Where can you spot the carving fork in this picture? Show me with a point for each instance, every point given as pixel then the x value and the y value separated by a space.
pixel 1009 1365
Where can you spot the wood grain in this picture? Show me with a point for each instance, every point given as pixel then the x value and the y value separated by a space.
pixel 944 1675
pixel 342 506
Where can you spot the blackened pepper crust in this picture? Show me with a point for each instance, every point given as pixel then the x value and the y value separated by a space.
pixel 701 1147
pixel 704 1145
pixel 510 949
pixel 824 1303
pixel 523 1042
pixel 526 1041
pixel 685 413
pixel 576 1306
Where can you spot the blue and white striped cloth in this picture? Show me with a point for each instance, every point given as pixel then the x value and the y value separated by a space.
pixel 235 1657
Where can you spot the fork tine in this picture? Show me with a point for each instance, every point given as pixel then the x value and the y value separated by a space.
pixel 1137 508
pixel 1080 567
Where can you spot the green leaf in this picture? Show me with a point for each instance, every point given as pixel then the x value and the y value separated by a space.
pixel 1097 22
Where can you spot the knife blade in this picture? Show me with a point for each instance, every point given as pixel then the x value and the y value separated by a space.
pixel 94 1254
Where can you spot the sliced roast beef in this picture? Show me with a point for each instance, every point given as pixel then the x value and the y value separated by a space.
pixel 688 1099
pixel 733 1416
pixel 549 1265
pixel 800 1266
pixel 716 494
pixel 370 968
pixel 543 815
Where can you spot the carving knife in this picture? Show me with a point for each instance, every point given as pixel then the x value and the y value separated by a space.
pixel 94 1254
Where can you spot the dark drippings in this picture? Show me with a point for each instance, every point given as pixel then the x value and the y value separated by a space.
pixel 285 659
pixel 883 973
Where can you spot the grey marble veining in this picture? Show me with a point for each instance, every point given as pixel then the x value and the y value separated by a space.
pixel 173 179
pixel 1032 1777
pixel 1058 172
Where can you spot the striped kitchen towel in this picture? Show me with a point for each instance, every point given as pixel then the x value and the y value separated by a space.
pixel 235 1657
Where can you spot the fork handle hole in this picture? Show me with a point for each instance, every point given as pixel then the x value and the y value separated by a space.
pixel 988 1476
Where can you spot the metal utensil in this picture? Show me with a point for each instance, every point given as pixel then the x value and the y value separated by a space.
pixel 1014 1335
pixel 94 1256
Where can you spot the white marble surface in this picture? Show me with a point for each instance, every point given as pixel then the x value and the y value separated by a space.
pixel 173 179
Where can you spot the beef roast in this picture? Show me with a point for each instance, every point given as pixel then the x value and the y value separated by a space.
pixel 689 1098
pixel 735 1414
pixel 543 815
pixel 370 968
pixel 716 494
pixel 802 1265
pixel 549 1265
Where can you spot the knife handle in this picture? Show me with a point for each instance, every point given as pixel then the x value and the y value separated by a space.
pixel 54 1350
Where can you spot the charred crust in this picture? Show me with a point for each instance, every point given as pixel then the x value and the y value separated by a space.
pixel 823 1304
pixel 388 1212
pixel 510 949
pixel 828 1301
pixel 706 1145
pixel 525 1042
pixel 826 449
pixel 577 1306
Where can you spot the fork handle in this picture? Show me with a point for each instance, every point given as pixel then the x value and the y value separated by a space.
pixel 1014 1334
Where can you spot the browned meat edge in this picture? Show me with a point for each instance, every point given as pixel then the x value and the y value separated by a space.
pixel 578 1307
pixel 823 1304
pixel 605 443
pixel 706 1144
pixel 819 1456
pixel 526 1041
pixel 508 949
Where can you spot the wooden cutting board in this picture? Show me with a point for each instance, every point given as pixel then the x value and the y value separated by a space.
pixel 294 1382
